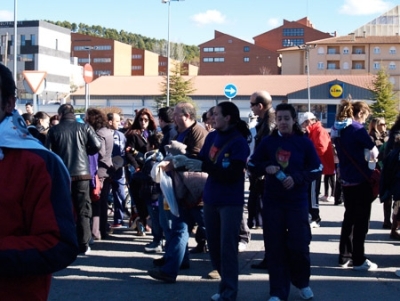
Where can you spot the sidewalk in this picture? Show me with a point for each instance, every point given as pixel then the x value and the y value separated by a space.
pixel 117 268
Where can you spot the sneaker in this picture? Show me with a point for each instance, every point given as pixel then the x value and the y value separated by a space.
pixel 316 223
pixel 140 229
pixel 215 297
pixel 133 221
pixel 324 198
pixel 88 250
pixel 397 273
pixel 214 275
pixel 118 226
pixel 153 247
pixel 160 275
pixel 306 293
pixel 274 298
pixel 366 266
pixel 347 264
pixel 242 247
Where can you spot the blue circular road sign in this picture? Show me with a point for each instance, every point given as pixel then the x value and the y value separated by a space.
pixel 230 91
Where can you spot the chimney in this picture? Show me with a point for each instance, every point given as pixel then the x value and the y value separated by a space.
pixel 364 33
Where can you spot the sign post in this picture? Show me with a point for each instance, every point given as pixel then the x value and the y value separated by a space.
pixel 34 82
pixel 87 77
pixel 230 91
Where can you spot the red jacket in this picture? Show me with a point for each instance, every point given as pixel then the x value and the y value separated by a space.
pixel 38 234
pixel 323 145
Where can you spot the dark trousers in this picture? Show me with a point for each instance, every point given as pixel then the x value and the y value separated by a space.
pixel 313 201
pixel 357 204
pixel 289 237
pixel 329 181
pixel 100 208
pixel 222 226
pixel 254 202
pixel 83 210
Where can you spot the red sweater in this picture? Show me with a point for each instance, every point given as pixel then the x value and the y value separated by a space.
pixel 37 235
pixel 323 145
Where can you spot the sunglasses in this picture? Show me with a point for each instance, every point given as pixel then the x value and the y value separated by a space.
pixel 143 120
pixel 383 124
pixel 252 104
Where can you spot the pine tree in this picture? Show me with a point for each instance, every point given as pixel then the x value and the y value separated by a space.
pixel 385 104
pixel 179 88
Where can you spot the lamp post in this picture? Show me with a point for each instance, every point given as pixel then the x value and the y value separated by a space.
pixel 306 48
pixel 87 92
pixel 168 46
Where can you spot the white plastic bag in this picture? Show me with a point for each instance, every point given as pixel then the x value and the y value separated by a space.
pixel 167 189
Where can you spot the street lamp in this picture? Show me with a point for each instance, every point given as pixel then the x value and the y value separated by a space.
pixel 306 48
pixel 168 47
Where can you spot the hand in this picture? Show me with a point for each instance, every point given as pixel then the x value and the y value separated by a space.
pixel 272 169
pixel 179 160
pixel 288 183
pixel 193 165
pixel 166 165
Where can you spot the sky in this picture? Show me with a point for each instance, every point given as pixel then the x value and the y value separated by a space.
pixel 193 22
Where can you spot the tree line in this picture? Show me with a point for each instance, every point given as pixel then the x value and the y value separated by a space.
pixel 187 53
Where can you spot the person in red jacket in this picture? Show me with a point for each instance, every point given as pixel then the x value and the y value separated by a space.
pixel 38 235
pixel 323 145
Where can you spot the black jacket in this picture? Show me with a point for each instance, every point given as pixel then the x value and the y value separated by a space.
pixel 73 142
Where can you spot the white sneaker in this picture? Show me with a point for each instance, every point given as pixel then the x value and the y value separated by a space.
pixel 324 198
pixel 215 297
pixel 242 247
pixel 347 264
pixel 306 293
pixel 366 266
pixel 397 273
pixel 274 298
pixel 316 223
pixel 88 250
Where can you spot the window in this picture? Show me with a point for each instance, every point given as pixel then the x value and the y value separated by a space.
pixel 377 50
pixel 246 48
pixel 358 66
pixel 23 41
pixel 214 49
pixel 246 59
pixel 392 50
pixel 331 50
pixel 87 48
pixel 358 51
pixel 56 44
pixel 163 63
pixel 346 50
pixel 83 60
pixel 392 66
pixel 331 66
pixel 293 32
pixel 102 72
pixel 137 57
pixel 208 49
pixel 292 42
pixel 377 65
pixel 136 67
pixel 213 59
pixel 102 60
pixel 320 65
pixel 219 49
pixel 33 39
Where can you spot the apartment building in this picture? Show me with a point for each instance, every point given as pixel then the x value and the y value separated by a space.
pixel 41 46
pixel 291 33
pixel 228 55
pixel 107 56
pixel 353 54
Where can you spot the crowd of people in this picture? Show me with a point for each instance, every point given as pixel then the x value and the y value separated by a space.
pixel 184 176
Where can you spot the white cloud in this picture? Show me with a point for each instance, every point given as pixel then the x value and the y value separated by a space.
pixel 209 17
pixel 364 7
pixel 6 15
pixel 273 22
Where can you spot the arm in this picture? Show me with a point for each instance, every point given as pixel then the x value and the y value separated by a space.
pixel 46 241
pixel 93 141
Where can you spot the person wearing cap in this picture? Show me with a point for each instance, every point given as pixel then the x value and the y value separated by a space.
pixel 323 145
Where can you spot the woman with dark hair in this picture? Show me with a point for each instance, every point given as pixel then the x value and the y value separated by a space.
pixel 54 120
pixel 98 120
pixel 354 148
pixel 223 156
pixel 137 145
pixel 288 160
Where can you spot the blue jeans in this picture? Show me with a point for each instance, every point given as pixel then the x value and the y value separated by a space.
pixel 156 229
pixel 176 250
pixel 165 219
pixel 118 191
pixel 222 228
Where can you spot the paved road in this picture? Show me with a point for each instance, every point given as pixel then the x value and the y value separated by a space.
pixel 116 269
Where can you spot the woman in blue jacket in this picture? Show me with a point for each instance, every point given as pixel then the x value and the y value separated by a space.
pixel 223 157
pixel 289 162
